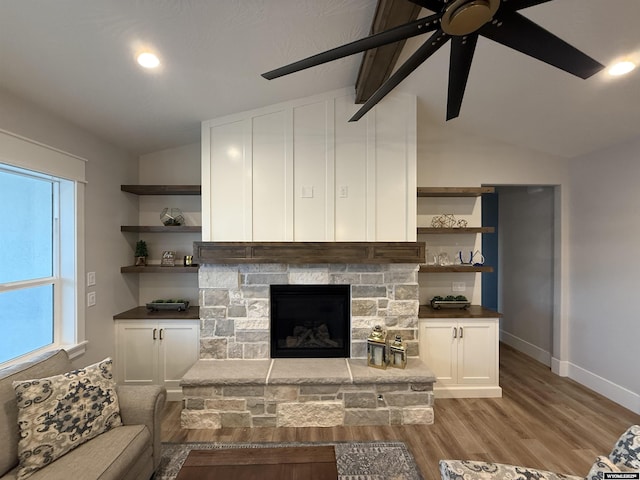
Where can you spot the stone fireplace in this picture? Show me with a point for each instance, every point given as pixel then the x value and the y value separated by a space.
pixel 235 306
pixel 238 383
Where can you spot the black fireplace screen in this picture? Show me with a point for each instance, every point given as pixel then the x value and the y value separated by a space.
pixel 310 321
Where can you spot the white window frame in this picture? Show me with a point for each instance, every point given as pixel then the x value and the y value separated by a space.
pixel 67 171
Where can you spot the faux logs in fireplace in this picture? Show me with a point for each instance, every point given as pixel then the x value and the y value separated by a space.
pixel 310 321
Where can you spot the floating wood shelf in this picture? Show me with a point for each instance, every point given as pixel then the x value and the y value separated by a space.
pixel 441 231
pixel 162 189
pixel 453 191
pixel 455 269
pixel 158 269
pixel 161 229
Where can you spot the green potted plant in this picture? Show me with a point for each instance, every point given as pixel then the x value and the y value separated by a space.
pixel 141 253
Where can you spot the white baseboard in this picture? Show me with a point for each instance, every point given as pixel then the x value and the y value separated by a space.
pixel 612 391
pixel 560 367
pixel 525 347
pixel 467 391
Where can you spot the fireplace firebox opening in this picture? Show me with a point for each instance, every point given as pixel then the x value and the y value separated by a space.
pixel 310 321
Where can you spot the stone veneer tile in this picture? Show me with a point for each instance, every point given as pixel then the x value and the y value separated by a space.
pixel 403 307
pixel 310 414
pixel 266 279
pixel 256 350
pixel 255 291
pixel 258 309
pixel 243 391
pixel 213 348
pixel 368 291
pixel 252 336
pixel 224 328
pixel 264 421
pixel 226 404
pixel 415 372
pixel 417 416
pixel 309 277
pixel 319 389
pixel 344 278
pixel 210 278
pixel 364 308
pixel 235 419
pixel 213 312
pixel 281 392
pixel 252 324
pixel 406 292
pixel 215 297
pixel 407 399
pixel 200 419
pixel 237 311
pixel 366 417
pixel 360 400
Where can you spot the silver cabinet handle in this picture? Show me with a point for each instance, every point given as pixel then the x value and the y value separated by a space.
pixel 155 331
pixel 461 332
pixel 455 332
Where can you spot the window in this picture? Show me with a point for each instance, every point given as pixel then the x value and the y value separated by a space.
pixel 40 247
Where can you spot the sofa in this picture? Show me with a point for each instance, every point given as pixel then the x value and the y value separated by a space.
pixel 624 458
pixel 130 451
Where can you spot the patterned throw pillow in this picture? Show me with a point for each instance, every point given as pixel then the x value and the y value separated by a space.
pixel 626 452
pixel 601 466
pixel 57 414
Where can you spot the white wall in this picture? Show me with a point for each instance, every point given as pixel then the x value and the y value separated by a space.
pixel 175 166
pixel 605 227
pixel 299 171
pixel 106 208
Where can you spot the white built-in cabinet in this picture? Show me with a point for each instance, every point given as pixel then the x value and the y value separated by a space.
pixel 300 171
pixel 156 352
pixel 463 355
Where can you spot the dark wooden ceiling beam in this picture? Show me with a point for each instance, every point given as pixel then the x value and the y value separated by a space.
pixel 377 64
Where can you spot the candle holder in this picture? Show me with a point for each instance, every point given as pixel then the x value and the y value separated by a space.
pixel 398 353
pixel 377 348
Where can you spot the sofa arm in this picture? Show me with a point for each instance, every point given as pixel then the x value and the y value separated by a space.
pixel 144 405
pixel 470 470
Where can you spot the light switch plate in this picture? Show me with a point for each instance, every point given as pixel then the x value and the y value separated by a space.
pixel 91 299
pixel 91 279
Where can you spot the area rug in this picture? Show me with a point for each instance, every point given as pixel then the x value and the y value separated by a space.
pixel 355 460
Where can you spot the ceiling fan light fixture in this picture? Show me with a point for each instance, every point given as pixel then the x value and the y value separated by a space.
pixel 462 17
pixel 621 68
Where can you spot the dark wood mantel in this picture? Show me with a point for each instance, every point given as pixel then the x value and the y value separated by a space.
pixel 308 252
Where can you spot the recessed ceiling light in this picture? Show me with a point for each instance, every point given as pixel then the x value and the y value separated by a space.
pixel 621 68
pixel 148 60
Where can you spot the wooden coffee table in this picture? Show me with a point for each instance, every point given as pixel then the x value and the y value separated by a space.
pixel 285 463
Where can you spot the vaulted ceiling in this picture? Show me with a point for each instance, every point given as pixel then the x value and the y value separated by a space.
pixel 76 58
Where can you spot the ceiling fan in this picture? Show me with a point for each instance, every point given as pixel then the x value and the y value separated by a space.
pixel 460 21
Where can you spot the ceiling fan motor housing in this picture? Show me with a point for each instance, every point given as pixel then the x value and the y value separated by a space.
pixel 462 17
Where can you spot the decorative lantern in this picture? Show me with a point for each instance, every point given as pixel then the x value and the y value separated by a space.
pixel 398 353
pixel 377 348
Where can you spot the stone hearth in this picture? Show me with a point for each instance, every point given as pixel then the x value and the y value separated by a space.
pixel 305 393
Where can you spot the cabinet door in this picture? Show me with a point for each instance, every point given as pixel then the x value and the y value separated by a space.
pixel 477 352
pixel 438 347
pixel 178 350
pixel 136 353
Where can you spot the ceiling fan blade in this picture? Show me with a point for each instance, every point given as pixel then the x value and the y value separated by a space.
pixel 520 4
pixel 518 32
pixel 462 50
pixel 401 32
pixel 427 49
pixel 433 5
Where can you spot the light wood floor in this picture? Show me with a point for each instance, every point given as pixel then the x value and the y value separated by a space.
pixel 542 421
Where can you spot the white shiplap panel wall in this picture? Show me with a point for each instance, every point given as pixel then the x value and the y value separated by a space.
pixel 300 172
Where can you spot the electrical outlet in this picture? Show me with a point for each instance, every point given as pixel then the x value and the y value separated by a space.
pixel 458 286
pixel 91 279
pixel 91 299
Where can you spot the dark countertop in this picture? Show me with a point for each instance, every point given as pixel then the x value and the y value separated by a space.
pixel 474 311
